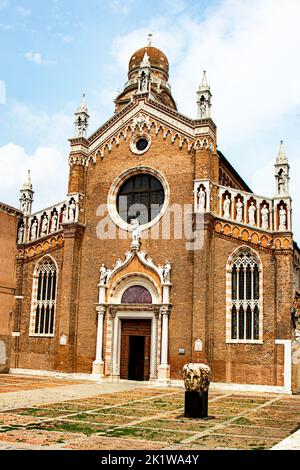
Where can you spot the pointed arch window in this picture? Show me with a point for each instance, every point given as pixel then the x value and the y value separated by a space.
pixel 245 305
pixel 43 304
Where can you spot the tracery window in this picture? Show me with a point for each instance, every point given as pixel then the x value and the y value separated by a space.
pixel 44 299
pixel 245 297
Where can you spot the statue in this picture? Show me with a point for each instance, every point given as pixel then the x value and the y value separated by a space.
pixel 265 217
pixel 135 233
pixel 72 210
pixel 54 222
pixel 24 204
pixel 226 207
pixel 239 211
pixel 166 273
pixel 64 214
pixel 103 274
pixel 251 213
pixel 282 218
pixel 44 225
pixel 20 234
pixel 196 377
pixel 281 183
pixel 201 198
pixel 34 229
pixel 202 109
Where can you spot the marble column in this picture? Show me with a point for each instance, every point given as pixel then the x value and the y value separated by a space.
pixel 164 368
pixel 98 364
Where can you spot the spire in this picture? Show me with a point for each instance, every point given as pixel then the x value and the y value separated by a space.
pixel 204 99
pixel 146 61
pixel 282 170
pixel 26 196
pixel 144 75
pixel 82 118
pixel 282 158
pixel 28 183
pixel 204 84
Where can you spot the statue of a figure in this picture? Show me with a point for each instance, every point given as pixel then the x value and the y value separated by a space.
pixel 239 211
pixel 72 210
pixel 54 222
pixel 21 234
pixel 226 207
pixel 34 229
pixel 103 274
pixel 201 198
pixel 167 272
pixel 251 212
pixel 202 109
pixel 44 225
pixel 144 82
pixel 135 233
pixel 265 217
pixel 24 204
pixel 64 215
pixel 281 184
pixel 282 218
pixel 196 377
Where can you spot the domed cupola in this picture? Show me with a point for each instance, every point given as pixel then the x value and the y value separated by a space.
pixel 150 66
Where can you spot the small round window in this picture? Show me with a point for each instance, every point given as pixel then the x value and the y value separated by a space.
pixel 140 197
pixel 141 144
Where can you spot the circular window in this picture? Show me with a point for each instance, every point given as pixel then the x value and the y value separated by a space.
pixel 142 144
pixel 140 197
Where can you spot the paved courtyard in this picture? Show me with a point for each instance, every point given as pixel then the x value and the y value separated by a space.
pixel 38 413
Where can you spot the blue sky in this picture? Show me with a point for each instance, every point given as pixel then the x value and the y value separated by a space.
pixel 52 51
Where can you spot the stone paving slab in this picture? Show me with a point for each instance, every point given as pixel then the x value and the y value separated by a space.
pixel 130 415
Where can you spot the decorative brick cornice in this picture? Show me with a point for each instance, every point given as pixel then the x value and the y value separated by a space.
pixel 10 210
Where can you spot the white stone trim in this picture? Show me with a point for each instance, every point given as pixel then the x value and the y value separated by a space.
pixel 34 298
pixel 116 185
pixel 230 261
pixel 133 279
pixel 287 344
pixel 134 315
pixel 172 383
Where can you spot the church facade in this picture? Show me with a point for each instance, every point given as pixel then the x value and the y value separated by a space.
pixel 160 255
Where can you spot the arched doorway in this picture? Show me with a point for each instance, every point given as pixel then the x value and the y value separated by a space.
pixel 135 337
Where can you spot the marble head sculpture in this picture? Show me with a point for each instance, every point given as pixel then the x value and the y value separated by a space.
pixel 196 377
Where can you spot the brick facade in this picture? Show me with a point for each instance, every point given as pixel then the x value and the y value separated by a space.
pixel 183 151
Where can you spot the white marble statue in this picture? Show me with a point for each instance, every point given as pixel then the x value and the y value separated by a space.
pixel 24 204
pixel 203 109
pixel 72 211
pixel 281 184
pixel 265 217
pixel 201 198
pixel 64 215
pixel 167 272
pixel 44 230
pixel 34 230
pixel 239 211
pixel 282 218
pixel 21 234
pixel 226 207
pixel 135 233
pixel 54 223
pixel 251 213
pixel 103 274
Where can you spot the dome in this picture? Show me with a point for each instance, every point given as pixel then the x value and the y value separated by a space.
pixel 158 60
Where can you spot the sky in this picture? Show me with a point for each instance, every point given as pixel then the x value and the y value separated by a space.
pixel 53 51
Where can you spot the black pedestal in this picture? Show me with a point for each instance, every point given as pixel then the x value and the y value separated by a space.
pixel 196 405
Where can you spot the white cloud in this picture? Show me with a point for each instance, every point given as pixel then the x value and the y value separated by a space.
pixel 67 39
pixel 4 4
pixel 37 58
pixel 23 11
pixel 48 169
pixel 249 50
pixel 121 6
